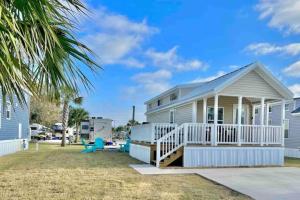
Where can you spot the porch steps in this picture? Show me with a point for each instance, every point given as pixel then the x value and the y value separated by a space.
pixel 170 159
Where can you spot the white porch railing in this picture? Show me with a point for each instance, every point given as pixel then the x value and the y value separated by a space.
pixel 151 132
pixel 227 134
pixel 198 133
pixel 195 133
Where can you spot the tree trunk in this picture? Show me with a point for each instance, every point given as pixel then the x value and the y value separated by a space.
pixel 65 117
pixel 77 133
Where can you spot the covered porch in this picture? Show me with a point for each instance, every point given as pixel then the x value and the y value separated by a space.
pixel 238 123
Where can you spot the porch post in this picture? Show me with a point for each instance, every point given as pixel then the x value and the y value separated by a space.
pixel 215 133
pixel 194 115
pixel 267 113
pixel 282 121
pixel 262 117
pixel 253 114
pixel 239 120
pixel 204 110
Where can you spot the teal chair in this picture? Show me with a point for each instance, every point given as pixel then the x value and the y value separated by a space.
pixel 86 146
pixel 125 147
pixel 98 145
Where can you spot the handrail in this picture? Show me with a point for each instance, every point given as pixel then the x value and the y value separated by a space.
pixel 161 129
pixel 169 143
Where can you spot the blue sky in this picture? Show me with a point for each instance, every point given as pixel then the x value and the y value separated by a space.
pixel 146 47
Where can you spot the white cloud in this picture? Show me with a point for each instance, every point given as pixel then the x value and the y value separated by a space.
pixel 234 67
pixel 206 79
pixel 153 82
pixel 133 62
pixel 295 89
pixel 282 14
pixel 147 84
pixel 114 37
pixel 171 60
pixel 293 69
pixel 267 48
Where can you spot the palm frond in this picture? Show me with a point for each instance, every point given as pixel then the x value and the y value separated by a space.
pixel 38 50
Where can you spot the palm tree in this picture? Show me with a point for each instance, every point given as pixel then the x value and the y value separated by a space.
pixel 68 95
pixel 76 116
pixel 38 49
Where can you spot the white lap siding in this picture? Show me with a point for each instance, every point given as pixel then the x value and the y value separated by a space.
pixel 183 114
pixel 293 140
pixel 251 84
pixel 159 117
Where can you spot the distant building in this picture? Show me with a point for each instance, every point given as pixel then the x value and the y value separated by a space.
pixel 96 127
pixel 58 130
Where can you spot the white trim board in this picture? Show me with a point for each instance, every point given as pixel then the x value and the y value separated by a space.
pixel 233 156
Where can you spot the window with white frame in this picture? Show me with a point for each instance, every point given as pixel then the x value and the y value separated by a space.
pixel 173 97
pixel 256 111
pixel 270 109
pixel 158 102
pixel 210 115
pixel 287 107
pixel 172 116
pixel 8 110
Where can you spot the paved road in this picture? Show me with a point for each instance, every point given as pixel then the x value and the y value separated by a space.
pixel 282 183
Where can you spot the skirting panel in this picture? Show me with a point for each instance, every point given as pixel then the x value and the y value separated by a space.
pixel 12 146
pixel 293 153
pixel 140 152
pixel 233 156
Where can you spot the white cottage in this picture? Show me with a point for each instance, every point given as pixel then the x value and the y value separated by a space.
pixel 182 125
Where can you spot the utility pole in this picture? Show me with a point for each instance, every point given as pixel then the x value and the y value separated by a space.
pixel 133 115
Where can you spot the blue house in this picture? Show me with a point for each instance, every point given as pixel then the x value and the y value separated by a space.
pixel 14 126
pixel 292 123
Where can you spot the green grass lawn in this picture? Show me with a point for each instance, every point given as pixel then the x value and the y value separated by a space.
pixel 64 173
pixel 292 162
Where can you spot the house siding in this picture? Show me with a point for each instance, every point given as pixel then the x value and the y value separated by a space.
pixel 183 114
pixel 293 140
pixel 164 100
pixel 159 117
pixel 297 103
pixel 19 114
pixel 251 85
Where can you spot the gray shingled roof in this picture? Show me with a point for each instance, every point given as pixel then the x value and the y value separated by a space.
pixel 213 86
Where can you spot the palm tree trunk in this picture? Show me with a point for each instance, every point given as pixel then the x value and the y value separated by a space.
pixel 77 133
pixel 65 117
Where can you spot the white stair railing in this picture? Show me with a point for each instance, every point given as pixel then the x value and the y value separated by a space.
pixel 161 129
pixel 169 143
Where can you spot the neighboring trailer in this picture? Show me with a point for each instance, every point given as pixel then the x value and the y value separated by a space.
pixel 96 127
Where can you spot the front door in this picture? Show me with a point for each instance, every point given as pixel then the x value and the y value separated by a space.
pixel 245 114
